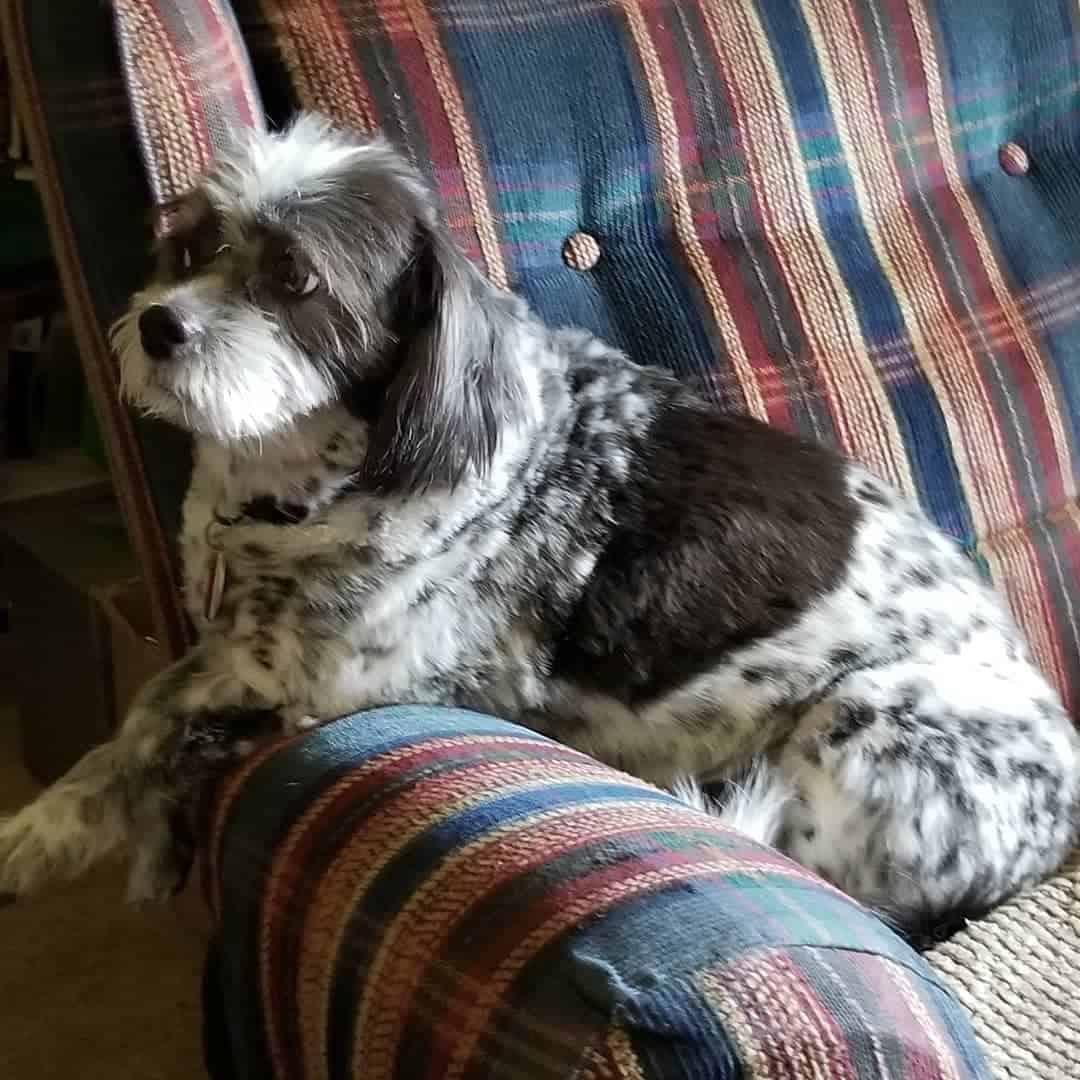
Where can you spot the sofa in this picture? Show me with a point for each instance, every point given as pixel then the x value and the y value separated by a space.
pixel 859 219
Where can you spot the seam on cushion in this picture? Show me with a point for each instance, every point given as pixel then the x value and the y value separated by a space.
pixel 1054 516
pixel 931 978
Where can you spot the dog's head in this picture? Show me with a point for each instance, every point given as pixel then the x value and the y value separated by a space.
pixel 310 267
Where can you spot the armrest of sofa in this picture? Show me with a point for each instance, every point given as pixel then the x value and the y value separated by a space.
pixel 433 892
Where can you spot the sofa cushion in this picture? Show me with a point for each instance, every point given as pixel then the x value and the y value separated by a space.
pixel 419 892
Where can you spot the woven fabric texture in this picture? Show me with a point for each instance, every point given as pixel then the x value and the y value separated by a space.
pixel 417 892
pixel 1015 972
pixel 190 86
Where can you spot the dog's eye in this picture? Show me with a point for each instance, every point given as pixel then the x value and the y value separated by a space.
pixel 303 285
pixel 294 278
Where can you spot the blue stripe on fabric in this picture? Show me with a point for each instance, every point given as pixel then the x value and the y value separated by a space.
pixel 558 103
pixel 675 1032
pixel 747 911
pixel 941 1005
pixel 1032 220
pixel 917 410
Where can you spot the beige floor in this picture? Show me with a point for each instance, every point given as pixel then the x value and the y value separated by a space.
pixel 89 989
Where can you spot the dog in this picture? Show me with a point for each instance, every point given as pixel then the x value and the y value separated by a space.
pixel 407 488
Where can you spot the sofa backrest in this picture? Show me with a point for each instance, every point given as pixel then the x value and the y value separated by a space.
pixel 857 218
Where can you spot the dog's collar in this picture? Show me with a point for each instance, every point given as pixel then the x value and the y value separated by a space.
pixel 266 510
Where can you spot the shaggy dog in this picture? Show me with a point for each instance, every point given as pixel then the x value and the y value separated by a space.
pixel 409 489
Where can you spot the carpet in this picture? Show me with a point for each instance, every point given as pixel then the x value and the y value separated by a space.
pixel 90 988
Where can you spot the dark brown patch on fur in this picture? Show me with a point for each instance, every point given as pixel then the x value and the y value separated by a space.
pixel 707 556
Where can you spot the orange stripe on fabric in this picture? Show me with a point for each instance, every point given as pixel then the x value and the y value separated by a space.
pixel 396 824
pixel 1017 323
pixel 319 55
pixel 936 336
pixel 1033 612
pixel 1049 304
pixel 774 998
pixel 468 152
pixel 944 222
pixel 622 1054
pixel 905 262
pixel 682 214
pixel 864 419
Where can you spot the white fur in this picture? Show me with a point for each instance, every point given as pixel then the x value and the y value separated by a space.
pixel 756 808
pixel 265 170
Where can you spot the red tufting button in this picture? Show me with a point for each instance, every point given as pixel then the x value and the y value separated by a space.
pixel 1014 159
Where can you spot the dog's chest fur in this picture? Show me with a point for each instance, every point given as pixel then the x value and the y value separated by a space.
pixel 637 574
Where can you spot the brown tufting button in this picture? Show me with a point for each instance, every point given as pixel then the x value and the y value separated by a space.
pixel 1014 159
pixel 581 251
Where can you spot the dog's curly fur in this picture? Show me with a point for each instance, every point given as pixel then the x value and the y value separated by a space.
pixel 423 494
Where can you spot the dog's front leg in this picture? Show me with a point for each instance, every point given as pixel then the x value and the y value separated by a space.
pixel 132 791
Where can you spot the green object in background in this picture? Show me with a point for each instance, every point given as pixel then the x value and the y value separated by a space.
pixel 24 239
pixel 90 440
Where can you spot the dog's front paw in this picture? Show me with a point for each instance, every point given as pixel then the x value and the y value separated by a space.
pixel 161 862
pixel 294 723
pixel 26 852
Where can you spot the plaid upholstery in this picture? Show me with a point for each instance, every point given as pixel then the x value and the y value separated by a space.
pixel 429 893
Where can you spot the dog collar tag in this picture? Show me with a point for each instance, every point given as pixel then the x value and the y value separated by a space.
pixel 215 587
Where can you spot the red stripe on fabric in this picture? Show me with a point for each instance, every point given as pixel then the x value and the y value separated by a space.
pixel 718 252
pixel 195 114
pixel 857 403
pixel 429 109
pixel 589 828
pixel 755 983
pixel 573 901
pixel 342 45
pixel 973 274
pixel 905 1015
pixel 1025 584
pixel 828 1034
pixel 240 89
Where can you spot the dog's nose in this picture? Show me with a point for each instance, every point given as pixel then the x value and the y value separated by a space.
pixel 161 331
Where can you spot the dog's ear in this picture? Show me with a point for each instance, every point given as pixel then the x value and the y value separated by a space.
pixel 179 214
pixel 456 388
